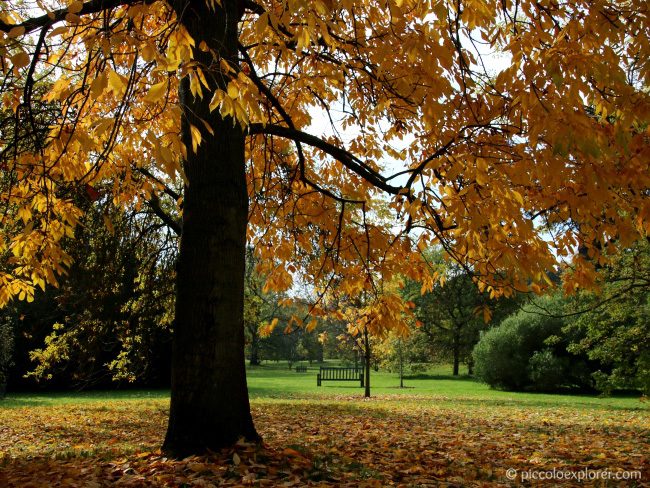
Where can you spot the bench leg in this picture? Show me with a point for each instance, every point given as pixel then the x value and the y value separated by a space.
pixel 318 380
pixel 361 379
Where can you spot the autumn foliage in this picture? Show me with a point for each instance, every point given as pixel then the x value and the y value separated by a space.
pixel 507 161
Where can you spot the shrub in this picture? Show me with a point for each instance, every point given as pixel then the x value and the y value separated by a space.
pixel 547 371
pixel 497 357
pixel 526 351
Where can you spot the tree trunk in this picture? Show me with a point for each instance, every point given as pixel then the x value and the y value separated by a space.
pixel 401 364
pixel 209 396
pixel 255 347
pixel 366 347
pixel 456 348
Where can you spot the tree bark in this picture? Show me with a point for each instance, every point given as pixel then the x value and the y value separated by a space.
pixel 366 347
pixel 456 350
pixel 209 397
pixel 401 364
pixel 255 347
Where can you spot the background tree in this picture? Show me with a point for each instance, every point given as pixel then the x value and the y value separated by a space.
pixel 6 355
pixel 111 311
pixel 222 91
pixel 454 312
pixel 613 327
pixel 411 354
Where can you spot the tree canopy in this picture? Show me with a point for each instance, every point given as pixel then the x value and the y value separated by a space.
pixel 490 149
pixel 511 133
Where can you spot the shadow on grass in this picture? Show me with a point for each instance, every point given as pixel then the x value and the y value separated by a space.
pixel 38 399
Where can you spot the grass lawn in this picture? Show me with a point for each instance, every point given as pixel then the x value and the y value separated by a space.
pixel 439 431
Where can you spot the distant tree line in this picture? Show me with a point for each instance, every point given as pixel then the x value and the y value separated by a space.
pixel 109 322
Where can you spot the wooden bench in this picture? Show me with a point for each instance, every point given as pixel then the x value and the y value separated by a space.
pixel 301 369
pixel 340 374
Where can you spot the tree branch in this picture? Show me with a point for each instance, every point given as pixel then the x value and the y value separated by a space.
pixel 91 7
pixel 171 222
pixel 344 157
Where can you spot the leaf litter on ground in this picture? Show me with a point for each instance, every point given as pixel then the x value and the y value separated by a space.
pixel 342 441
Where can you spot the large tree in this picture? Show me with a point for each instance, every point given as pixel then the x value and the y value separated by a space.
pixel 480 152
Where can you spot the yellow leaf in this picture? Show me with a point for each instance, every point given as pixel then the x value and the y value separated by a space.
pixel 236 459
pixel 98 85
pixel 75 7
pixel 225 66
pixel 518 197
pixel 195 86
pixel 481 171
pixel 311 325
pixel 196 137
pixel 487 314
pixel 216 99
pixel 261 24
pixel 201 76
pixel 156 92
pixel 103 125
pixel 208 127
pixel 227 107
pixel 16 32
pixel 148 52
pixel 20 60
pixel 58 31
pixel 117 82
pixel 233 91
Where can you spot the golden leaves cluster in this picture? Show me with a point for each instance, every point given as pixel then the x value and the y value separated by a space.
pixel 515 137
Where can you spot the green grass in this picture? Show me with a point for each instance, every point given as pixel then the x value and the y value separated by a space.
pixel 275 382
pixel 436 385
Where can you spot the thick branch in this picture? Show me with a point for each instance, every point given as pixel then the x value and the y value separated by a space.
pixel 91 7
pixel 171 222
pixel 344 157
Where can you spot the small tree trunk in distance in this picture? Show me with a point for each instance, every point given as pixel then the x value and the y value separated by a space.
pixel 366 347
pixel 255 348
pixel 456 350
pixel 209 396
pixel 401 364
